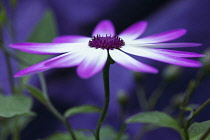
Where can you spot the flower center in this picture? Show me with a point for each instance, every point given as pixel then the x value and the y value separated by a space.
pixel 107 42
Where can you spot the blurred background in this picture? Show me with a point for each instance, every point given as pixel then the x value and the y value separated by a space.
pixel 42 20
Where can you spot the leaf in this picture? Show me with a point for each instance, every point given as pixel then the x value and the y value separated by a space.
pixel 2 16
pixel 156 118
pixel 36 93
pixel 7 127
pixel 111 133
pixel 81 109
pixel 106 133
pixel 14 105
pixel 196 130
pixel 66 136
pixel 44 32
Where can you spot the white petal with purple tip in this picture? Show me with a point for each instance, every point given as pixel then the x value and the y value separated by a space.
pixel 71 39
pixel 103 28
pixel 67 60
pixel 176 53
pixel 164 45
pixel 47 48
pixel 160 57
pixel 130 63
pixel 92 63
pixel 134 31
pixel 163 37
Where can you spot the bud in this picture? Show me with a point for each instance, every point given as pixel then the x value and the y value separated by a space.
pixel 2 16
pixel 122 98
pixel 177 99
pixel 13 3
pixel 171 73
pixel 138 76
pixel 206 61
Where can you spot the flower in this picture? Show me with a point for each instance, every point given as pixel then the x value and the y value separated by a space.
pixel 90 54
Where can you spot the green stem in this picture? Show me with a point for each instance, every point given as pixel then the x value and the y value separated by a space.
pixel 156 95
pixel 107 96
pixel 122 130
pixel 10 75
pixel 188 94
pixel 53 109
pixel 207 102
pixel 142 99
pixel 15 135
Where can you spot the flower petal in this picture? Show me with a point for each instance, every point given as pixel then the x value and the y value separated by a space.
pixel 68 60
pixel 40 67
pixel 163 37
pixel 92 63
pixel 164 45
pixel 176 53
pixel 160 57
pixel 130 63
pixel 71 39
pixel 103 28
pixel 134 31
pixel 47 48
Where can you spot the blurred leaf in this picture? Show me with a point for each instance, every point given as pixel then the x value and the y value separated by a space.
pixel 2 16
pixel 36 93
pixel 196 130
pixel 7 126
pixel 156 118
pixel 13 3
pixel 108 133
pixel 81 109
pixel 14 105
pixel 44 32
pixel 66 136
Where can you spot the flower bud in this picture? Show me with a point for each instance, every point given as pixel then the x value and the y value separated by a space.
pixel 138 76
pixel 177 99
pixel 122 98
pixel 206 61
pixel 171 73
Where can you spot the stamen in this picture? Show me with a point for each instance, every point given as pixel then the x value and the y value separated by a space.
pixel 107 42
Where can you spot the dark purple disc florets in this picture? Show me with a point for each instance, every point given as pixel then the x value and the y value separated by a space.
pixel 107 42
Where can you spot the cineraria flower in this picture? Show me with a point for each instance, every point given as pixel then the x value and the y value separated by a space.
pixel 90 54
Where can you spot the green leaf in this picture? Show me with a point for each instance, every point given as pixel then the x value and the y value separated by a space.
pixel 36 93
pixel 44 32
pixel 81 109
pixel 156 118
pixel 7 125
pixel 2 17
pixel 46 29
pixel 196 130
pixel 66 136
pixel 14 105
pixel 111 133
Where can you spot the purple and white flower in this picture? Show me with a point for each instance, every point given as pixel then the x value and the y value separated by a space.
pixel 90 54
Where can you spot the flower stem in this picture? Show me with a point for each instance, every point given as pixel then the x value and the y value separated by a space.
pixel 188 94
pixel 122 130
pixel 10 75
pixel 53 109
pixel 16 135
pixel 107 96
pixel 207 102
